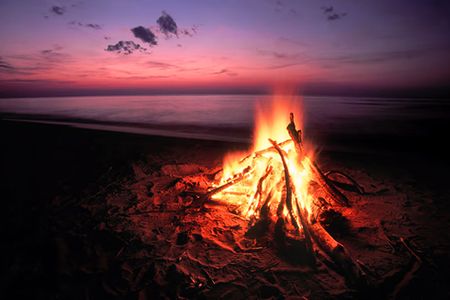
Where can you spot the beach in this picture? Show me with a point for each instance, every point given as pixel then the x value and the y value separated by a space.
pixel 99 214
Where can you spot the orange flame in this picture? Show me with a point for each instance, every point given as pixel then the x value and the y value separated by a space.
pixel 259 178
pixel 272 118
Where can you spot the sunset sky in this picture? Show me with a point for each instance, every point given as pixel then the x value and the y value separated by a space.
pixel 144 46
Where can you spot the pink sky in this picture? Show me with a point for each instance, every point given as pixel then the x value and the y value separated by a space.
pixel 233 44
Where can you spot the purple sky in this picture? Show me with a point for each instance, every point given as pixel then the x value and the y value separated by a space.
pixel 127 47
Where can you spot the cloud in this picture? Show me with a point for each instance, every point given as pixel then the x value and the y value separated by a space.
pixel 378 57
pixel 145 34
pixel 142 77
pixel 20 81
pixel 167 24
pixel 87 25
pixel 4 66
pixel 57 10
pixel 35 63
pixel 288 65
pixel 224 71
pixel 161 65
pixel 54 55
pixel 327 9
pixel 276 54
pixel 331 14
pixel 125 47
pixel 93 26
pixel 189 31
pixel 335 16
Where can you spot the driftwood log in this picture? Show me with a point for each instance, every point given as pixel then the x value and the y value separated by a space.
pixel 332 192
pixel 335 250
pixel 338 253
pixel 303 221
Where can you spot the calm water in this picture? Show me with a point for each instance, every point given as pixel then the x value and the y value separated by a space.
pixel 230 117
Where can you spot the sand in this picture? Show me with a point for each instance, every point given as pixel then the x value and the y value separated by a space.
pixel 90 215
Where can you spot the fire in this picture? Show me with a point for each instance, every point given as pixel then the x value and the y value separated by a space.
pixel 272 118
pixel 268 182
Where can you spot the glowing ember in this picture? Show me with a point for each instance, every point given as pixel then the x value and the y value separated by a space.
pixel 269 182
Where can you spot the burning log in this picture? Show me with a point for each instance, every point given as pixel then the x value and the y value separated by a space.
pixel 325 241
pixel 323 180
pixel 258 194
pixel 288 201
pixel 233 181
pixel 255 154
pixel 329 187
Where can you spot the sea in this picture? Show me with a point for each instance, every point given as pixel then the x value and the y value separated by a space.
pixel 363 124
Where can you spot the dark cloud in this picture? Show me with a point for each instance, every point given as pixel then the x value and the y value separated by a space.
pixel 57 10
pixel 276 54
pixel 142 77
pixel 145 34
pixel 161 65
pixel 54 55
pixel 93 26
pixel 125 47
pixel 276 67
pixel 331 14
pixel 4 66
pixel 167 24
pixel 379 57
pixel 37 63
pixel 282 7
pixel 335 16
pixel 87 25
pixel 225 71
pixel 188 31
pixel 327 9
pixel 20 80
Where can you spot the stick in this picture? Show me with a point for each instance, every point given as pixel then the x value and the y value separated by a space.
pixel 335 250
pixel 287 177
pixel 413 253
pixel 330 189
pixel 258 193
pixel 353 181
pixel 257 153
pixel 229 183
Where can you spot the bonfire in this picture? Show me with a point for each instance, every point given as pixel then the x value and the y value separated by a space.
pixel 279 184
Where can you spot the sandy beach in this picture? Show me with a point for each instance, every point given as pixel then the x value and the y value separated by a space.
pixel 95 214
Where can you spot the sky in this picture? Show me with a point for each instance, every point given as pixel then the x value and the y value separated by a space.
pixel 100 47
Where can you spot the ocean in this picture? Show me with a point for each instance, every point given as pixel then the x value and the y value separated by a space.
pixel 366 124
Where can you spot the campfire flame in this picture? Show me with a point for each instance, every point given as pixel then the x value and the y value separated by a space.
pixel 268 182
pixel 280 182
